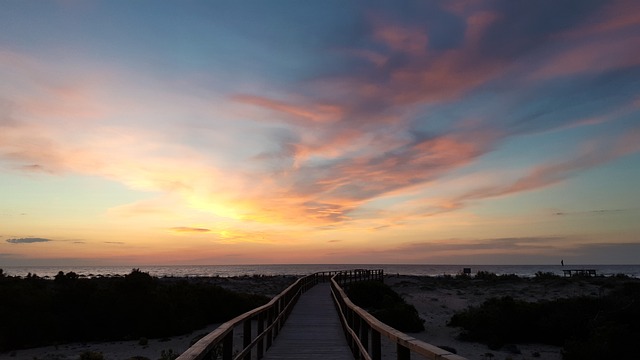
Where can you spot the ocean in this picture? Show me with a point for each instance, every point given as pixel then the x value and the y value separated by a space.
pixel 304 269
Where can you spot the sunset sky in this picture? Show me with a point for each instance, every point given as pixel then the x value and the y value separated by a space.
pixel 255 132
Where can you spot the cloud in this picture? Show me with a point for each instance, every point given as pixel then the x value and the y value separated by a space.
pixel 341 137
pixel 593 212
pixel 185 229
pixel 495 244
pixel 615 16
pixel 313 113
pixel 605 54
pixel 27 240
pixel 592 154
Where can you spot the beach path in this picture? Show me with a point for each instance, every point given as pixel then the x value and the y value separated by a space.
pixel 312 331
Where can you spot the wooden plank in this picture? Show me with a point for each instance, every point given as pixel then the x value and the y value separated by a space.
pixel 313 330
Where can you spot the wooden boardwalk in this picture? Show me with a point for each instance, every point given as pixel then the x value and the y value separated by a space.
pixel 313 330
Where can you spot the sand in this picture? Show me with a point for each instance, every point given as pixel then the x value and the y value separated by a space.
pixel 436 299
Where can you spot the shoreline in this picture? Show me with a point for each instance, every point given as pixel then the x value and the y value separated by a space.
pixel 198 271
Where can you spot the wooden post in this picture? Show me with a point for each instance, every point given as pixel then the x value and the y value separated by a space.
pixel 247 337
pixel 269 332
pixel 403 353
pixel 376 345
pixel 227 346
pixel 364 335
pixel 277 307
pixel 260 330
pixel 356 331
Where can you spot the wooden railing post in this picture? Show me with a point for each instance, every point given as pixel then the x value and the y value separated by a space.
pixel 246 341
pixel 227 346
pixel 364 334
pixel 356 330
pixel 376 345
pixel 277 310
pixel 269 332
pixel 260 351
pixel 403 353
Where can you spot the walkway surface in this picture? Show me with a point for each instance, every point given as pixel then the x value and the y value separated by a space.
pixel 313 330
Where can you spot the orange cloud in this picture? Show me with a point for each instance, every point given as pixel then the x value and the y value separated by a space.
pixel 316 113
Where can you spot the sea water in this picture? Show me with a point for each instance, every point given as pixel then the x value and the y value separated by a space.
pixel 304 269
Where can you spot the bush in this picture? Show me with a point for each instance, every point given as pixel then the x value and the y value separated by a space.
pixel 40 312
pixel 168 355
pixel 91 355
pixel 545 275
pixel 587 327
pixel 386 305
pixel 486 275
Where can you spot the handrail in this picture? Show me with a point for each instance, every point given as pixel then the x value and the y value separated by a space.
pixel 364 331
pixel 268 318
pixel 261 325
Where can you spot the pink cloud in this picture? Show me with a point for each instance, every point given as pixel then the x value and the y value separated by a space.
pixel 428 75
pixel 401 38
pixel 607 40
pixel 592 154
pixel 593 56
pixel 616 16
pixel 314 113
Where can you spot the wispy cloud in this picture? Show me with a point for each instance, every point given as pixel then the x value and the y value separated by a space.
pixel 186 229
pixel 593 154
pixel 28 240
pixel 403 108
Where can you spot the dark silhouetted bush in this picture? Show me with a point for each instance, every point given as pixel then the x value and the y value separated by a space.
pixel 604 327
pixel 386 305
pixel 37 312
pixel 545 275
pixel 91 355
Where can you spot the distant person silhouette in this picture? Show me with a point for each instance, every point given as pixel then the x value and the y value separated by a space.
pixel 562 262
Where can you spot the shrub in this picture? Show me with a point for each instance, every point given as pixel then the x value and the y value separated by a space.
pixel 71 308
pixel 91 355
pixel 545 275
pixel 168 355
pixel 386 305
pixel 587 327
pixel 486 275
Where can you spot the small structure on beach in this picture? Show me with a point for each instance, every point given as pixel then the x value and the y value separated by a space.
pixel 579 272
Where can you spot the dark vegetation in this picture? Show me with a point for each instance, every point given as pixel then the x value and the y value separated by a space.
pixel 386 305
pixel 38 312
pixel 588 327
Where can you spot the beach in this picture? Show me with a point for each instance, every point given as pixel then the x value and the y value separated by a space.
pixel 437 299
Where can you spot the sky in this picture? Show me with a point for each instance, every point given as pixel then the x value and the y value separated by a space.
pixel 259 132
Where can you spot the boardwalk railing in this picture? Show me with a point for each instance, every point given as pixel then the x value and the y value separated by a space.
pixel 259 326
pixel 364 332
